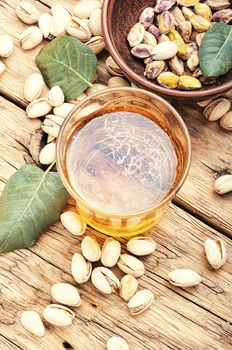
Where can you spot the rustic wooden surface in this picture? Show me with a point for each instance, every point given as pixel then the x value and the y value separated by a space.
pixel 191 319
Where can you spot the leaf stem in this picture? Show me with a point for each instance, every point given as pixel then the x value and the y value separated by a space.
pixel 50 166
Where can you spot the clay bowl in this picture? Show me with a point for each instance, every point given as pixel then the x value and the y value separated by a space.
pixel 118 16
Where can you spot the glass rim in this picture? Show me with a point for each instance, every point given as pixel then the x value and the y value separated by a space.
pixel 167 198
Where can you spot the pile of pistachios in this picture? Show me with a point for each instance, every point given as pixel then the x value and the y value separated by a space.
pixel 168 36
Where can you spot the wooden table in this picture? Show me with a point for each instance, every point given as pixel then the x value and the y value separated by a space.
pixel 191 319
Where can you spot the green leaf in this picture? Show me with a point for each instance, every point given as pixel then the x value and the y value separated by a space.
pixel 216 50
pixel 31 202
pixel 68 63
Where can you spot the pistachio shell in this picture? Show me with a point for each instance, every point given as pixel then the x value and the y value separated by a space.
pixel 187 82
pixel 79 29
pixel 66 294
pixel 223 184
pixel 27 12
pixel 226 121
pixel 33 87
pixel 38 108
pixel 147 16
pixel 30 38
pixel 59 9
pixel 6 45
pixel 83 9
pixel 95 25
pixel 104 280
pixel 136 34
pixel 96 87
pixel 64 109
pixel 217 108
pixel 91 249
pixel 73 223
pixel 164 51
pixel 50 128
pixel 47 154
pixel 131 265
pixel 154 68
pixel 2 68
pixel 113 68
pixel 44 24
pixel 58 315
pixel 96 44
pixel 58 25
pixel 32 322
pixel 111 251
pixel 141 245
pixel 215 252
pixel 55 96
pixel 128 287
pixel 58 120
pixel 184 278
pixel 140 301
pixel 117 343
pixel 81 268
pixel 168 80
pixel 117 82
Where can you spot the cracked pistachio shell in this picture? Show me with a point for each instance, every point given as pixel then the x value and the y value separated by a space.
pixel 154 68
pixel 224 16
pixel 73 223
pixel 147 16
pixel 178 15
pixel 55 96
pixel 136 34
pixel 58 120
pixel 142 50
pixel 168 80
pixel 79 29
pixel 128 287
pixel 33 87
pixel 217 108
pixel 113 68
pixel 165 22
pixel 38 108
pixel 141 245
pixel 64 109
pixel 48 154
pixel 226 121
pixel 59 9
pixel 140 301
pixel 185 30
pixel 223 184
pixel 32 322
pixel 149 39
pixel 187 82
pixel 163 5
pixel 83 9
pixel 6 45
pixel 164 51
pixel 218 4
pixel 91 90
pixel 117 82
pixel 193 61
pixel 215 251
pixel 2 68
pixel 111 251
pixel 30 38
pixel 65 293
pixel 90 249
pixel 44 24
pixel 58 315
pixel 96 44
pixel 177 65
pixel 50 128
pixel 95 24
pixel 81 268
pixel 117 343
pixel 58 25
pixel 203 10
pixel 105 280
pixel 187 3
pixel 131 265
pixel 27 12
pixel 184 278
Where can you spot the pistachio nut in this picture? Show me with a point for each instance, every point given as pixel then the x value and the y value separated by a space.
pixel 177 65
pixel 44 24
pixel 148 60
pixel 55 96
pixel 104 280
pixel 223 184
pixel 79 29
pixel 168 80
pixel 33 87
pixel 30 38
pixel 193 61
pixel 27 12
pixel 141 245
pixel 131 265
pixel 96 87
pixel 136 34
pixel 199 38
pixel 149 39
pixel 117 343
pixel 95 24
pixel 226 121
pixel 185 30
pixel 187 82
pixel 185 51
pixel 32 322
pixel 47 154
pixel 113 68
pixel 2 68
pixel 199 23
pixel 59 9
pixel 164 51
pixel 81 268
pixel 65 293
pixel 178 15
pixel 224 16
pixel 50 128
pixel 154 68
pixel 111 251
pixel 154 31
pixel 163 5
pixel 215 251
pixel 165 22
pixel 96 44
pixel 187 3
pixel 73 223
pixel 6 45
pixel 203 10
pixel 184 278
pixel 38 108
pixel 83 9
pixel 142 50
pixel 175 37
pixel 163 38
pixel 204 103
pixel 91 249
pixel 140 301
pixel 58 25
pixel 218 4
pixel 58 315
pixel 147 16
pixel 217 108
pixel 117 82
pixel 55 118
pixel 128 287
pixel 208 81
pixel 64 109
